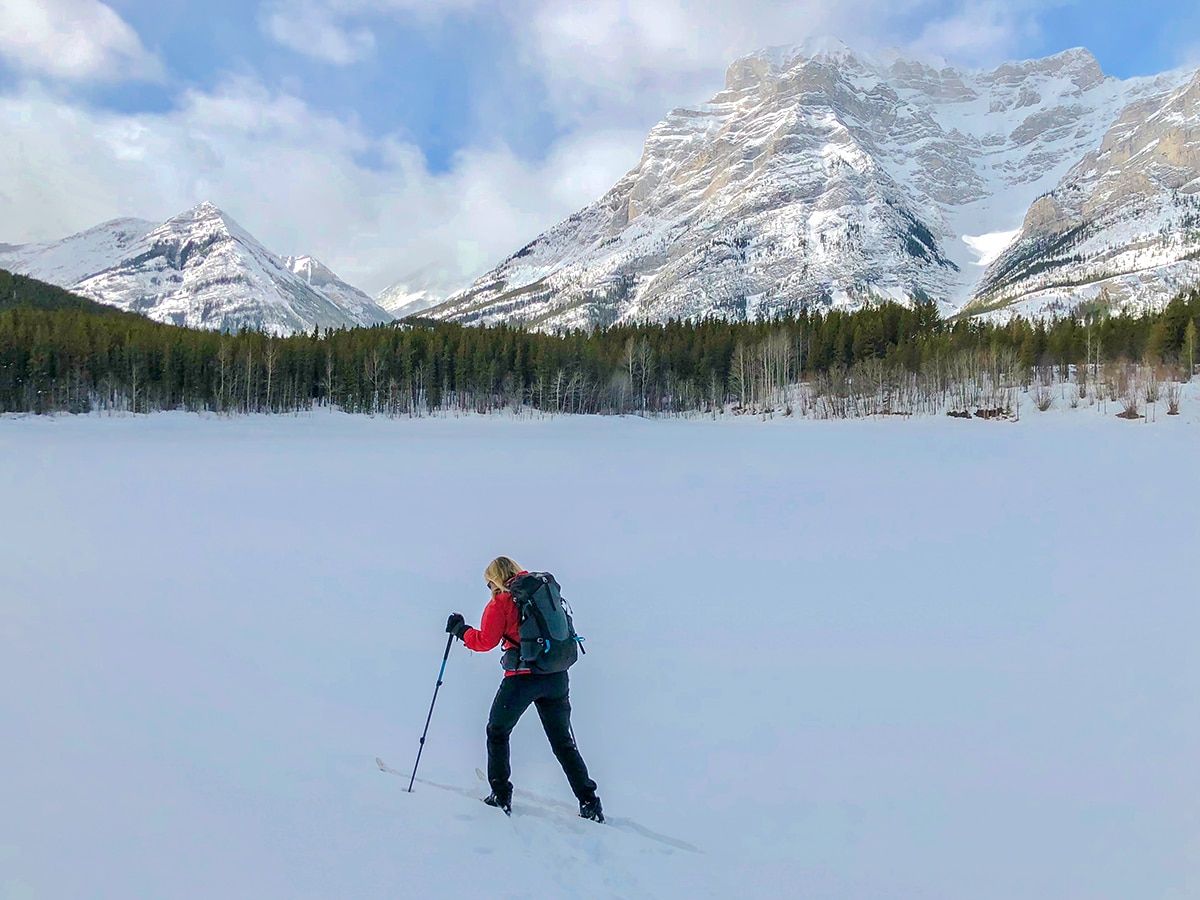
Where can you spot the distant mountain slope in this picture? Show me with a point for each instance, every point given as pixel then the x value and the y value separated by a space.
pixel 358 304
pixel 419 291
pixel 818 177
pixel 199 269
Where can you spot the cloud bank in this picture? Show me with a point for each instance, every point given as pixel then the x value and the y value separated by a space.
pixel 75 40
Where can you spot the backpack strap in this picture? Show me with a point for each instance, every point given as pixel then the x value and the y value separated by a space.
pixel 541 620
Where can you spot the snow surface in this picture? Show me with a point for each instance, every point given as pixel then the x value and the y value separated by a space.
pixel 927 659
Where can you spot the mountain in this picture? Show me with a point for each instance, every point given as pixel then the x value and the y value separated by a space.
pixel 418 292
pixel 825 177
pixel 199 269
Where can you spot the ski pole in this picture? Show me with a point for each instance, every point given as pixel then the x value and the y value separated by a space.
pixel 445 656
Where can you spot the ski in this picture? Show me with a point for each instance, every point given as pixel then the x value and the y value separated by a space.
pixel 384 767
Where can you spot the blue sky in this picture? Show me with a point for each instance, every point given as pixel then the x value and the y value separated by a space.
pixel 1142 38
pixel 420 82
pixel 439 131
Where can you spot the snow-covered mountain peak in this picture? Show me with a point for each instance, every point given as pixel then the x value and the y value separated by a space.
pixel 825 48
pixel 318 276
pixel 770 65
pixel 1076 66
pixel 1077 69
pixel 206 219
pixel 126 226
pixel 202 213
pixel 895 62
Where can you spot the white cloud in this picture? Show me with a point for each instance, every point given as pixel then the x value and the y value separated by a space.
pixel 292 177
pixel 489 205
pixel 979 34
pixel 73 40
pixel 1188 56
pixel 314 30
pixel 337 31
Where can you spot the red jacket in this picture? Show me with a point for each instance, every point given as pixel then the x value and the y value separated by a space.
pixel 500 623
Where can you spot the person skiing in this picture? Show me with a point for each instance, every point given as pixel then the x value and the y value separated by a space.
pixel 520 687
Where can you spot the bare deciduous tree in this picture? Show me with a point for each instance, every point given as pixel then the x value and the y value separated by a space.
pixel 1043 395
pixel 270 356
pixel 1174 393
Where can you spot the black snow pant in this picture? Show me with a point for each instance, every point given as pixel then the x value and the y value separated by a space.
pixel 551 695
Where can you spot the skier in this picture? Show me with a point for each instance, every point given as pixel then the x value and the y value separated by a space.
pixel 519 688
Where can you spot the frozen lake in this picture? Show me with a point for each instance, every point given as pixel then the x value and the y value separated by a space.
pixel 928 659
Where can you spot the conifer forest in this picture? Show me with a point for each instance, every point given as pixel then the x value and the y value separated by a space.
pixel 63 353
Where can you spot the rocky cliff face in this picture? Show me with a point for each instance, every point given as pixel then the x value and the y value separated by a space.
pixel 824 177
pixel 199 269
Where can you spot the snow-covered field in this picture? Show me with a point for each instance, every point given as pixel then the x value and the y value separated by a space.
pixel 927 659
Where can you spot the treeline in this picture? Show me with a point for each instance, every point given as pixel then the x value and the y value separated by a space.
pixel 61 353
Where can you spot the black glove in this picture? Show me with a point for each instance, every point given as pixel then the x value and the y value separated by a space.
pixel 456 625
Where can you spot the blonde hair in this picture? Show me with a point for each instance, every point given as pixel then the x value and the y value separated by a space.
pixel 500 571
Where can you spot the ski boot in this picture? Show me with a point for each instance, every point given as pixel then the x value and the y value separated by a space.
pixel 590 809
pixel 504 803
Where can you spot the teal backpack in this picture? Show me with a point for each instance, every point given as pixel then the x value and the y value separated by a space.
pixel 549 643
